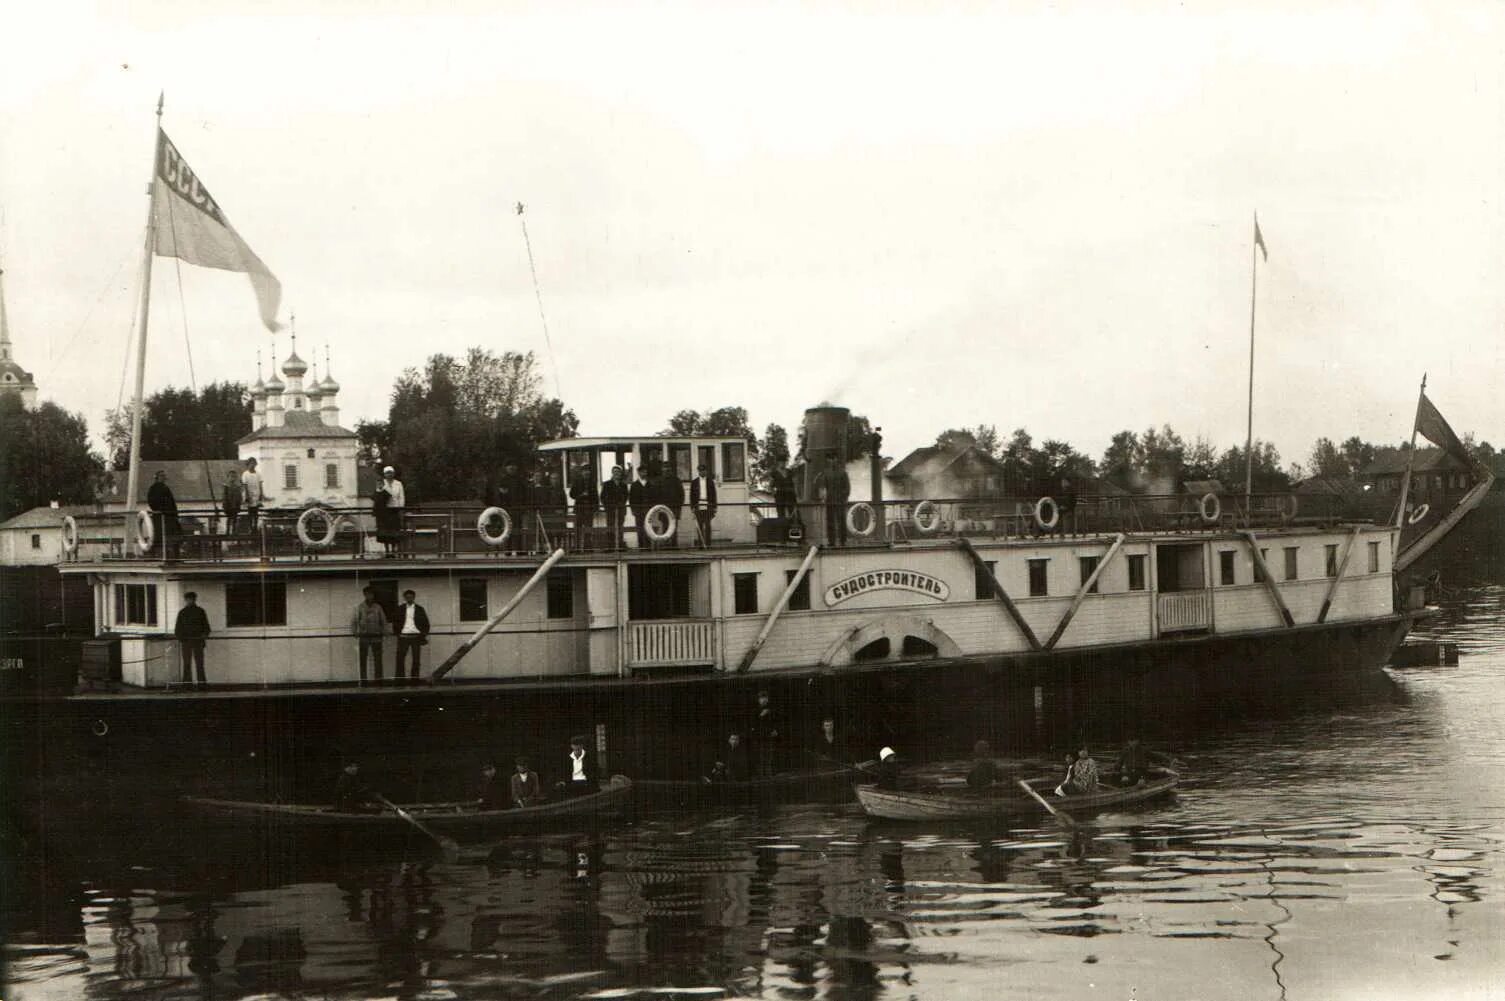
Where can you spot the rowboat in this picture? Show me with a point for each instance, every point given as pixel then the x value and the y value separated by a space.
pixel 904 805
pixel 825 780
pixel 446 816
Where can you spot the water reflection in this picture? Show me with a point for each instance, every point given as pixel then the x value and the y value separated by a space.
pixel 1367 824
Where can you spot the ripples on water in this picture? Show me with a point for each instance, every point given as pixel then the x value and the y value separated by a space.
pixel 1354 851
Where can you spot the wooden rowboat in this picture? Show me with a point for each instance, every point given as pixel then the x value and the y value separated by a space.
pixel 904 805
pixel 821 781
pixel 448 816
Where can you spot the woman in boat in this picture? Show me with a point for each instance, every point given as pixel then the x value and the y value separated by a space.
pixel 1081 775
pixel 984 772
pixel 888 770
pixel 526 789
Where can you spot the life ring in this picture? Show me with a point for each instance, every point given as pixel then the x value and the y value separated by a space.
pixel 70 534
pixel 872 519
pixel 146 532
pixel 1417 513
pixel 306 537
pixel 650 520
pixel 99 728
pixel 483 524
pixel 1288 509
pixel 1055 513
pixel 1211 508
pixel 927 517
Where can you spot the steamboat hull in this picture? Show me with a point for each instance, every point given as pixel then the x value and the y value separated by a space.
pixel 102 750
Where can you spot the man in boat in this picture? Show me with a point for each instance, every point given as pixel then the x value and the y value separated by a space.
pixel 412 627
pixel 579 775
pixel 351 794
pixel 1081 775
pixel 489 790
pixel 731 762
pixel 1133 764
pixel 766 731
pixel 191 630
pixel 830 746
pixel 526 789
pixel 703 502
pixel 834 486
pixel 889 770
pixel 984 771
pixel 164 508
pixel 369 625
pixel 614 503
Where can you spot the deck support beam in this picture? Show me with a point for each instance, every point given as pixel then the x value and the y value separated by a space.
pixel 1269 579
pixel 1084 590
pixel 1332 588
pixel 1001 594
pixel 495 620
pixel 778 609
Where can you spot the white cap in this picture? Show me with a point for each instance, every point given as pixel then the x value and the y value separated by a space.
pixel 388 469
pixel 885 754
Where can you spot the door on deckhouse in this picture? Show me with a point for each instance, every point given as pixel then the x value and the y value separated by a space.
pixel 1184 603
pixel 668 612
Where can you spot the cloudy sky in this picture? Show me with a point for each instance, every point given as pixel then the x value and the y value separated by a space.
pixel 1030 215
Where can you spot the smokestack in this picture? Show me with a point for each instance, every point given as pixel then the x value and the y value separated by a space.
pixel 825 434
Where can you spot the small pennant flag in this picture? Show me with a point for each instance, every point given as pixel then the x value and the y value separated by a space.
pixel 191 227
pixel 1435 428
pixel 1259 239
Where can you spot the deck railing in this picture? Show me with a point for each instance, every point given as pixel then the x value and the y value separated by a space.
pixel 671 643
pixel 450 531
pixel 1180 611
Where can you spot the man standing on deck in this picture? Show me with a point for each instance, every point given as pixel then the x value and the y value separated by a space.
pixel 369 625
pixel 671 494
pixel 412 627
pixel 640 499
pixel 192 629
pixel 834 486
pixel 614 499
pixel 164 507
pixel 230 497
pixel 703 502
pixel 250 485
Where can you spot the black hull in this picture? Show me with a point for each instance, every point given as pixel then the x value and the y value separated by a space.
pixel 427 742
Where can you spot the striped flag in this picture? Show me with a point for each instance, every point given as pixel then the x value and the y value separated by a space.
pixel 1259 239
pixel 191 227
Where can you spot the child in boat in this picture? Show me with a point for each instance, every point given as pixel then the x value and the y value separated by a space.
pixel 984 772
pixel 526 789
pixel 1081 775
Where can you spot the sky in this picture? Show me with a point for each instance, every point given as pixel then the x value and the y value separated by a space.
pixel 1026 215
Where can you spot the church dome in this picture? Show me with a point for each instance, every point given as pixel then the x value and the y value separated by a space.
pixel 329 385
pixel 294 367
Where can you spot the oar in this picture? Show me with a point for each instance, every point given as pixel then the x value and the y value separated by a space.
pixel 450 847
pixel 1063 818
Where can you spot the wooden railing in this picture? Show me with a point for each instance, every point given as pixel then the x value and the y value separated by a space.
pixel 1185 610
pixel 671 643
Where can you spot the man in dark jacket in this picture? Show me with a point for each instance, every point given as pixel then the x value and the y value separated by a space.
pixel 164 508
pixel 614 498
pixel 834 486
pixel 585 494
pixel 731 762
pixel 513 496
pixel 411 624
pixel 766 731
pixel 640 499
pixel 351 794
pixel 670 492
pixel 192 629
pixel 703 502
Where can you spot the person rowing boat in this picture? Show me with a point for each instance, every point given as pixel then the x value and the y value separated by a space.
pixel 351 794
pixel 984 771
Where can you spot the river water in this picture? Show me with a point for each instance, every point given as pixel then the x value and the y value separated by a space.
pixel 1342 845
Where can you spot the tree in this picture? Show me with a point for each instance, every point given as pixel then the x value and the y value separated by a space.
pixel 452 427
pixel 1201 461
pixel 183 424
pixel 1268 476
pixel 1121 460
pixel 44 457
pixel 1359 454
pixel 1328 461
pixel 983 437
pixel 1162 456
pixel 773 453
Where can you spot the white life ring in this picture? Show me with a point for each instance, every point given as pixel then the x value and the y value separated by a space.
pixel 306 537
pixel 1211 508
pixel 146 532
pixel 1417 513
pixel 927 517
pixel 1055 512
pixel 872 519
pixel 1288 510
pixel 650 521
pixel 70 534
pixel 483 524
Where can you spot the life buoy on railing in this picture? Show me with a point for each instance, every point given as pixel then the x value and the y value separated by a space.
pixel 70 534
pixel 483 526
pixel 927 517
pixel 146 532
pixel 872 519
pixel 1288 509
pixel 307 537
pixel 1211 507
pixel 1047 504
pixel 99 728
pixel 1417 513
pixel 651 519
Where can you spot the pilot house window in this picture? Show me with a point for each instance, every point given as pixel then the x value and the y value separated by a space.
pixel 135 604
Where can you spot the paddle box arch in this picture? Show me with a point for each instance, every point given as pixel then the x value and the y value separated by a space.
pixel 866 642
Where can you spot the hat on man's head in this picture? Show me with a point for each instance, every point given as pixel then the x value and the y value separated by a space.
pixel 885 754
pixel 387 469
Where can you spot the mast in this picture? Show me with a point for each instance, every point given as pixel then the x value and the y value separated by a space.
pixel 1249 436
pixel 1405 483
pixel 134 476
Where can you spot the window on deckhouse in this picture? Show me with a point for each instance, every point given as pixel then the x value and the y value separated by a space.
pixel 1225 567
pixel 982 579
pixel 744 593
pixel 256 603
pixel 1089 566
pixel 799 601
pixel 1038 584
pixel 1136 573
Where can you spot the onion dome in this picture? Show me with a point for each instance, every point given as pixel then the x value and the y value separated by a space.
pixel 294 367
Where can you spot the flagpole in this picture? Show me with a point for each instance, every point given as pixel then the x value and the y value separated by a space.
pixel 133 478
pixel 1249 436
pixel 1405 483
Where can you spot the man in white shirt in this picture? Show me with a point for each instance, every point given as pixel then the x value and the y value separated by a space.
pixel 703 502
pixel 250 485
pixel 580 777
pixel 412 632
